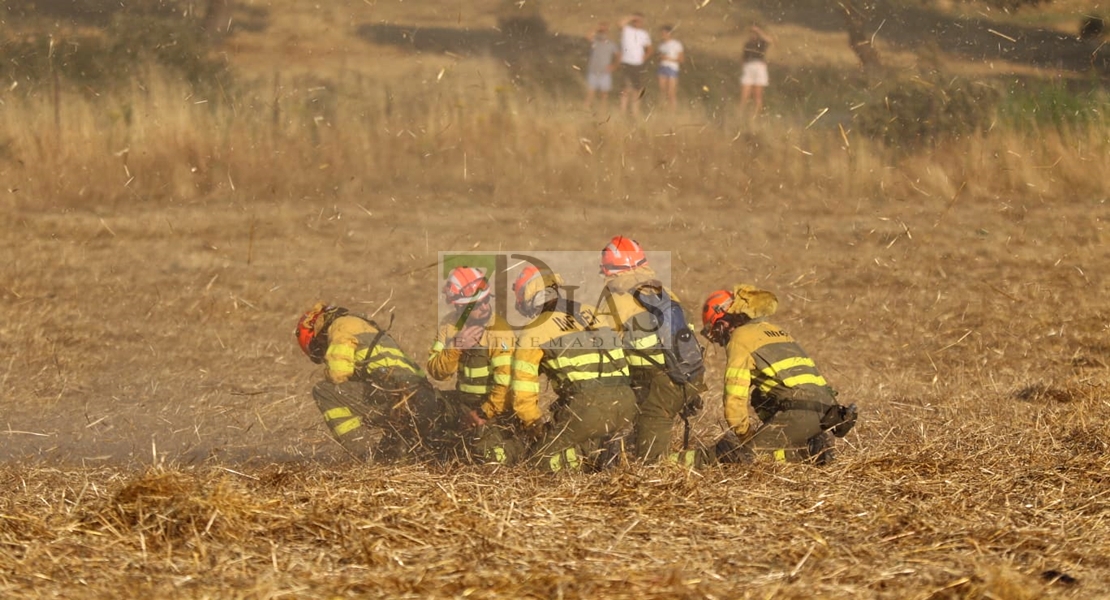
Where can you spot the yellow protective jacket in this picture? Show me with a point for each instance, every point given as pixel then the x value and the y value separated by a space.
pixel 349 355
pixel 635 324
pixel 768 369
pixel 572 357
pixel 484 370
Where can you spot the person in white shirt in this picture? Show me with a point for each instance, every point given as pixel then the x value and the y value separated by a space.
pixel 671 55
pixel 635 50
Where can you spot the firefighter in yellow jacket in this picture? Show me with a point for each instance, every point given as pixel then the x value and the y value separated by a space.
pixel 370 383
pixel 659 398
pixel 767 369
pixel 583 362
pixel 476 347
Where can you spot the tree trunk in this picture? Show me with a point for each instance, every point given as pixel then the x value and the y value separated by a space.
pixel 855 19
pixel 217 14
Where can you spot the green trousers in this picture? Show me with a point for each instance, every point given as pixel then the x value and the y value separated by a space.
pixel 788 436
pixel 660 400
pixel 498 441
pixel 581 424
pixel 387 420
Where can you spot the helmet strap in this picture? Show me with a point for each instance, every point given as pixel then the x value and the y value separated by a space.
pixel 721 331
pixel 318 347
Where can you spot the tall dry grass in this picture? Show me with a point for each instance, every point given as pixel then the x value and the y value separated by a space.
pixel 471 131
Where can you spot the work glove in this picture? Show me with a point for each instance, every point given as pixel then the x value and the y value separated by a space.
pixel 472 419
pixel 468 337
pixel 537 430
pixel 729 449
pixel 848 416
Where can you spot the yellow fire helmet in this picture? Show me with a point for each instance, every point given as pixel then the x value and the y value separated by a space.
pixel 753 302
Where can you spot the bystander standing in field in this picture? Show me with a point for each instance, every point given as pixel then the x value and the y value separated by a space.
pixel 635 50
pixel 671 56
pixel 604 58
pixel 754 77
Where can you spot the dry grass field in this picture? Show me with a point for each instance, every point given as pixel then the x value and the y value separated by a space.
pixel 158 438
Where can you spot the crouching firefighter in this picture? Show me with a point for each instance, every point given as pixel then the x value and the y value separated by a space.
pixel 476 346
pixel 375 399
pixel 664 357
pixel 767 367
pixel 584 363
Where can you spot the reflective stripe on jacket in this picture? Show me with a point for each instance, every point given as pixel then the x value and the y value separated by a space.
pixel 349 355
pixel 763 356
pixel 478 369
pixel 636 326
pixel 631 319
pixel 559 346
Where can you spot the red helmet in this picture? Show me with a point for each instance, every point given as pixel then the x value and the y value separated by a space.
pixel 311 324
pixel 521 287
pixel 466 285
pixel 622 254
pixel 715 307
pixel 529 284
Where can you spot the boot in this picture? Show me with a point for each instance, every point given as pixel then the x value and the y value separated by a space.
pixel 821 450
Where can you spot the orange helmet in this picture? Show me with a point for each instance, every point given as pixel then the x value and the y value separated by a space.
pixel 466 285
pixel 622 254
pixel 716 306
pixel 312 324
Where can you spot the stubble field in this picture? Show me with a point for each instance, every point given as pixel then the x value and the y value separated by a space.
pixel 159 438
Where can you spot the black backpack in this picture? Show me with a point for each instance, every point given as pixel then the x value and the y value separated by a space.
pixel 683 355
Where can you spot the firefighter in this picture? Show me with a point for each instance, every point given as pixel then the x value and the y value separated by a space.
pixel 476 347
pixel 768 369
pixel 583 362
pixel 370 383
pixel 660 399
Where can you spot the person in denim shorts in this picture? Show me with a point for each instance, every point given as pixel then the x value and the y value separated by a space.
pixel 671 55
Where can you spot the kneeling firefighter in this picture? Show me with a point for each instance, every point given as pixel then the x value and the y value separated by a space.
pixel 476 347
pixel 370 383
pixel 664 357
pixel 767 367
pixel 585 364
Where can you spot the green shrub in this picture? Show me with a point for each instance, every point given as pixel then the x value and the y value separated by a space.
pixel 1011 5
pixel 116 54
pixel 521 20
pixel 916 113
pixel 175 43
pixel 1031 104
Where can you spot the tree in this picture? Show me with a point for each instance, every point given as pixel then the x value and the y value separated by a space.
pixel 217 14
pixel 855 19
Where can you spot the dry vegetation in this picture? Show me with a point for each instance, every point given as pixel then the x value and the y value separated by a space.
pixel 158 435
pixel 1000 512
